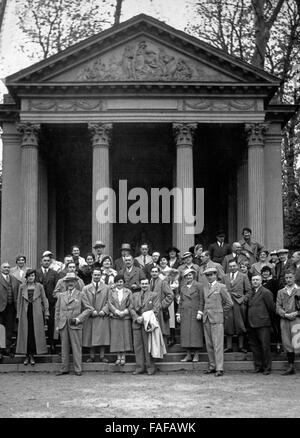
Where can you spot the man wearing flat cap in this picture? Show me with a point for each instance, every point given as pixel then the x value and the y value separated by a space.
pixel 219 249
pixel 216 301
pixel 98 247
pixel 72 308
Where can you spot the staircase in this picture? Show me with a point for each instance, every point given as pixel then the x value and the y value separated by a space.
pixel 171 362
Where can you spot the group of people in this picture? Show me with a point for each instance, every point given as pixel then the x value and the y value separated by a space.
pixel 135 304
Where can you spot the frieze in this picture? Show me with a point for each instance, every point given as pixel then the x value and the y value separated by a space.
pixel 220 105
pixel 64 105
pixel 146 61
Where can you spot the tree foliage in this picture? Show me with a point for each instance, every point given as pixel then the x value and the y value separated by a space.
pixel 53 25
pixel 265 33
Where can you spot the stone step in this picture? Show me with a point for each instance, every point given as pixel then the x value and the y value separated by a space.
pixel 129 367
pixel 130 357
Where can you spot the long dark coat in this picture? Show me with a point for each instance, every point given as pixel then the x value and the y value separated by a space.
pixel 96 330
pixel 234 318
pixel 191 330
pixel 40 308
pixel 120 327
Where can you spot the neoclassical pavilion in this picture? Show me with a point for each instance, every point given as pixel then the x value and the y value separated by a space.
pixel 145 103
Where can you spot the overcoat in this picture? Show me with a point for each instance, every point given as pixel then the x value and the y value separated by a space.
pixel 96 330
pixel 120 327
pixel 133 277
pixel 287 304
pixel 164 291
pixel 40 308
pixel 191 329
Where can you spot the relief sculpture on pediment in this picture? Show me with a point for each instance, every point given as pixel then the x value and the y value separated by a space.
pixel 144 61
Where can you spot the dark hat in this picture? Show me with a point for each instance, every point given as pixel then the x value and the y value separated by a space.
pixel 173 248
pixel 220 233
pixel 191 249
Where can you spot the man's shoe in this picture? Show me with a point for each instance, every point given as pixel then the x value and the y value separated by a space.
pixel 289 371
pixel 78 373
pixel 258 370
pixel 52 349
pixel 26 361
pixel 266 372
pixel 90 359
pixel 228 350
pixel 32 361
pixel 62 373
pixel 104 360
pixel 196 357
pixel 135 373
pixel 242 350
pixel 219 373
pixel 151 372
pixel 171 342
pixel 209 371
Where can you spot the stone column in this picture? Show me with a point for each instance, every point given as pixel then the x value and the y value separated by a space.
pixel 100 136
pixel 242 195
pixel 42 208
pixel 256 180
pixel 29 190
pixel 184 133
pixel 11 194
pixel 273 187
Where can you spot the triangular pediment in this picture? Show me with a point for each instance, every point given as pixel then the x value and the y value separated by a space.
pixel 142 59
pixel 142 49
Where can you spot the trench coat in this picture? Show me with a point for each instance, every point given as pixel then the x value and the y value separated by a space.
pixel 120 327
pixel 96 330
pixel 234 318
pixel 40 307
pixel 191 329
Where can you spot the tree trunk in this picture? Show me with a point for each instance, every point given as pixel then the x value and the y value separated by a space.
pixel 118 12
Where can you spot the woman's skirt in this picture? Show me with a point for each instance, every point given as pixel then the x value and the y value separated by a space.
pixel 120 335
pixel 31 346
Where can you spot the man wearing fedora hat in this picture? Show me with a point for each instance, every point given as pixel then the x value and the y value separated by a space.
pixel 219 249
pixel 216 301
pixel 61 285
pixel 99 256
pixel 72 308
pixel 120 262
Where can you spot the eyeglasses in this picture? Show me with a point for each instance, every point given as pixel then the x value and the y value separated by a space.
pixel 8 267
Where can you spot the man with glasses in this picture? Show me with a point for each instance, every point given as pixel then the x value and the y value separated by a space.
pixel 216 301
pixel 9 287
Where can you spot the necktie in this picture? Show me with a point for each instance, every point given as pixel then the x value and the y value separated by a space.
pixel 97 282
pixel 144 260
pixel 152 284
pixel 232 276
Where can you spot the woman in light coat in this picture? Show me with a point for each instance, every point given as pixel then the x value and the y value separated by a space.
pixel 119 299
pixel 191 327
pixel 33 315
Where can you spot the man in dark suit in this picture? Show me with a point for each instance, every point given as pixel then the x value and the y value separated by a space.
pixel 250 247
pixel 238 286
pixel 120 262
pixel 143 301
pixel 260 318
pixel 219 249
pixel 282 266
pixel 132 274
pixel 48 278
pixel 9 287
